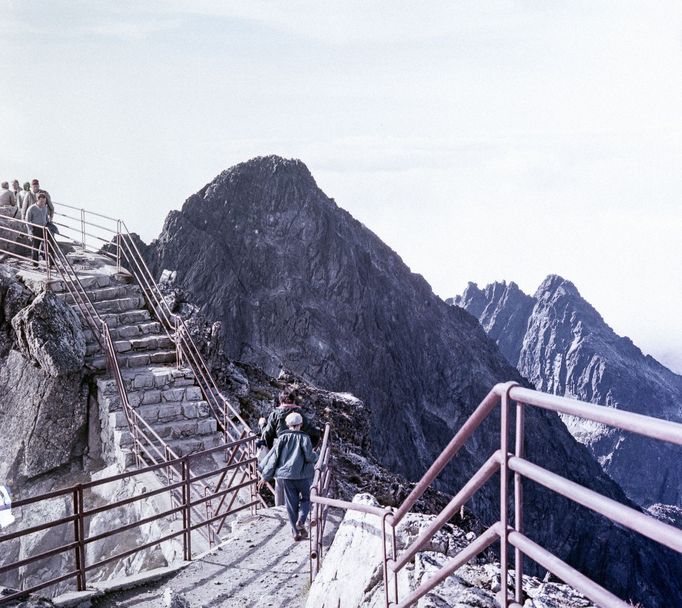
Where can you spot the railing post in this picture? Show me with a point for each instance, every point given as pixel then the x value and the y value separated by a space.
pixel 387 598
pixel 79 536
pixel 254 479
pixel 394 551
pixel 314 532
pixel 118 245
pixel 46 253
pixel 518 501
pixel 503 598
pixel 186 512
pixel 83 228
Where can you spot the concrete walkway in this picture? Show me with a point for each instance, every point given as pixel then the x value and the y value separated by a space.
pixel 259 566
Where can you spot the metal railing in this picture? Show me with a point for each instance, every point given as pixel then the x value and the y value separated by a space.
pixel 508 464
pixel 318 514
pixel 114 240
pixel 146 442
pixel 81 512
pixel 111 233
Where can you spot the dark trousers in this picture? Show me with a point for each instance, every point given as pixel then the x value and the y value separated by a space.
pixel 297 500
pixel 36 242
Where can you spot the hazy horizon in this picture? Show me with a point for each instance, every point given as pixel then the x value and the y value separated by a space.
pixel 504 141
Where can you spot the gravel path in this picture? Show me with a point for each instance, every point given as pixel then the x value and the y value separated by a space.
pixel 260 566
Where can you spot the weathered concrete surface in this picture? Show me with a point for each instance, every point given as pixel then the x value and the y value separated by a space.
pixel 260 566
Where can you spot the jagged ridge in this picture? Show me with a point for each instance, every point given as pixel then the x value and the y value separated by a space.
pixel 563 346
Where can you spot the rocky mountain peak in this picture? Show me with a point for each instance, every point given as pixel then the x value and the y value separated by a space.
pixel 564 346
pixel 556 286
pixel 297 282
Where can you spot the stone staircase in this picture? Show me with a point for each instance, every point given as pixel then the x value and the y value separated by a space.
pixel 166 397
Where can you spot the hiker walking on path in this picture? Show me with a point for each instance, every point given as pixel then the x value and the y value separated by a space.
pixel 276 425
pixel 291 462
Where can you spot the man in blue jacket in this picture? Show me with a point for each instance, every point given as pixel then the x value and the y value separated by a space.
pixel 292 462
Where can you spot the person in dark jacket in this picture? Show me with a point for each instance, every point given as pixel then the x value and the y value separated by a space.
pixel 276 420
pixel 292 463
pixel 276 425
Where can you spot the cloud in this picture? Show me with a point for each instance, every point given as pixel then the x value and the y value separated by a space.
pixel 129 30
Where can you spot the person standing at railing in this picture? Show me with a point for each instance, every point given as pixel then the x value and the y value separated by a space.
pixel 26 199
pixel 7 198
pixel 292 463
pixel 16 188
pixel 35 187
pixel 37 217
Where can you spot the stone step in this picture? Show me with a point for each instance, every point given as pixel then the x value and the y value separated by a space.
pixel 163 413
pixel 88 281
pixel 101 294
pixel 149 377
pixel 146 343
pixel 182 447
pixel 118 305
pixel 133 359
pixel 125 332
pixel 129 317
pixel 150 396
pixel 171 431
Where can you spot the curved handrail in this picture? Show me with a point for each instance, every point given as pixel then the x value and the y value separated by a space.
pixel 505 462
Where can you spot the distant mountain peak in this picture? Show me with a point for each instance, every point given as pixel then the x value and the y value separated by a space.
pixel 555 285
pixel 562 344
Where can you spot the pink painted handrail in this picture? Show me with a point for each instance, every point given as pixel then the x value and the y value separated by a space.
pixel 515 463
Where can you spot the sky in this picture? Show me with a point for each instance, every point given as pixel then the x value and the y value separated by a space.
pixel 481 140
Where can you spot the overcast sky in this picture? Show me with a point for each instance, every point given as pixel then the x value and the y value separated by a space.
pixel 481 140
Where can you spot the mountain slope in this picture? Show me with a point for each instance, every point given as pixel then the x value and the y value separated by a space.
pixel 563 346
pixel 296 281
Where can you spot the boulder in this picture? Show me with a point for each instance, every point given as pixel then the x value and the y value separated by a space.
pixel 43 418
pixel 49 334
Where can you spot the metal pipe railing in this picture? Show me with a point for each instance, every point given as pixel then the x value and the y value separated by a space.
pixel 646 525
pixel 514 465
pixel 80 514
pixel 480 413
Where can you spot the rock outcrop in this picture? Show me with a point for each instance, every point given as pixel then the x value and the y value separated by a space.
pixel 296 282
pixel 49 333
pixel 43 412
pixel 562 345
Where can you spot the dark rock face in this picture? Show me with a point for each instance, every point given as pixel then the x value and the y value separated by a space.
pixel 563 346
pixel 296 282
pixel 13 297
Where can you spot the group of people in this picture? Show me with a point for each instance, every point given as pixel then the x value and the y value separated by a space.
pixel 30 204
pixel 290 437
